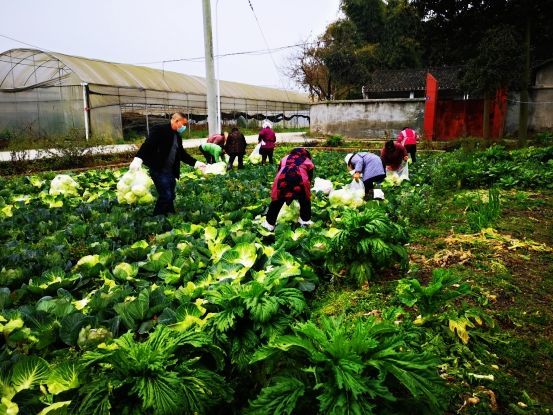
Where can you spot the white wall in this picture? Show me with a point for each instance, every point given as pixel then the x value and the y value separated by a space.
pixel 367 118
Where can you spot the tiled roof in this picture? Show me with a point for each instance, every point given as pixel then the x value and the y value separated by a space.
pixel 412 79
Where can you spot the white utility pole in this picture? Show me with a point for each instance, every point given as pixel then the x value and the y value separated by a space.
pixel 210 72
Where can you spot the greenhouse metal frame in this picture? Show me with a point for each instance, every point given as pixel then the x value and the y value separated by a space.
pixel 46 93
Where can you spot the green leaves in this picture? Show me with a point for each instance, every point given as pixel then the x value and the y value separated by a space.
pixel 342 358
pixel 163 373
pixel 63 377
pixel 29 372
pixel 280 397
pixel 440 291
pixel 367 242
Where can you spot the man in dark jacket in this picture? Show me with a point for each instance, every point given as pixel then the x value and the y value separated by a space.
pixel 236 147
pixel 162 152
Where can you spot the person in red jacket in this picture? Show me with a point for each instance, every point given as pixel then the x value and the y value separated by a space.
pixel 267 138
pixel 393 155
pixel 218 139
pixel 408 139
pixel 292 182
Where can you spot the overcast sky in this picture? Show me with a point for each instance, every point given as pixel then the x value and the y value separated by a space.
pixel 148 31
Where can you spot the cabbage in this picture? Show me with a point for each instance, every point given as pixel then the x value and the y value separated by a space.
pixel 289 213
pixel 244 253
pixel 146 199
pixel 134 187
pixel 6 211
pixel 64 185
pixel 346 197
pixel 139 190
pixel 393 178
pixel 215 168
pixel 255 158
pixel 125 271
pixel 90 338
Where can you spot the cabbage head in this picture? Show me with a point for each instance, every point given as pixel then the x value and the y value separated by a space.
pixel 65 185
pixel 289 213
pixel 215 168
pixel 134 187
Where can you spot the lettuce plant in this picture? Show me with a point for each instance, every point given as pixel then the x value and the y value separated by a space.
pixel 367 242
pixel 340 368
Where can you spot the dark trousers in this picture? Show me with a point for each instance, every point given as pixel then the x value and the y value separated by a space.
pixel 369 185
pixel 276 205
pixel 412 150
pixel 165 185
pixel 209 159
pixel 266 152
pixel 240 160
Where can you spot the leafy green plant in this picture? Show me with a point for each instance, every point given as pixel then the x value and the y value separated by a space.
pixel 449 326
pixel 346 368
pixel 31 378
pixel 442 288
pixel 482 214
pixel 248 314
pixel 334 141
pixel 367 242
pixel 164 374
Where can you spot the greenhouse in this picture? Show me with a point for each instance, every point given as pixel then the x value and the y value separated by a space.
pixel 45 93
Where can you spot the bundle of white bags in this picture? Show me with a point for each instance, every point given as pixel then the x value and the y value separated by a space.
pixel 134 188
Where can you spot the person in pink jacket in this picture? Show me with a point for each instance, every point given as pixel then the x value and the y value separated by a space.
pixel 408 139
pixel 267 138
pixel 292 182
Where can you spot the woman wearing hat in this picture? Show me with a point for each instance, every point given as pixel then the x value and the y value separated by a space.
pixel 367 167
pixel 267 138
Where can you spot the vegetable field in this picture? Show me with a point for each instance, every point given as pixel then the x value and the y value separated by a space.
pixel 437 299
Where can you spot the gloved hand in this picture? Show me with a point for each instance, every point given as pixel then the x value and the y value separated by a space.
pixel 136 164
pixel 199 165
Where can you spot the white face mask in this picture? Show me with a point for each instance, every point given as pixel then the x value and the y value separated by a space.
pixel 352 172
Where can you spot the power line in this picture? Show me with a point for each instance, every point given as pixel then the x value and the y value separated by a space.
pixel 256 52
pixel 223 55
pixel 266 43
pixel 24 43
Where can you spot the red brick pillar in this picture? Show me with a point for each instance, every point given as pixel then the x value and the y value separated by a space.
pixel 430 106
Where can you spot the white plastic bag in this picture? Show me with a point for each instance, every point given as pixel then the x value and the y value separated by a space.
pixel 357 186
pixel 378 194
pixel 403 171
pixel 322 185
pixel 395 177
pixel 255 156
pixel 215 168
pixel 346 197
pixel 134 187
pixel 64 184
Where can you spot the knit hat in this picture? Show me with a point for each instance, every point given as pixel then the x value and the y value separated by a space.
pixel 348 157
pixel 267 124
